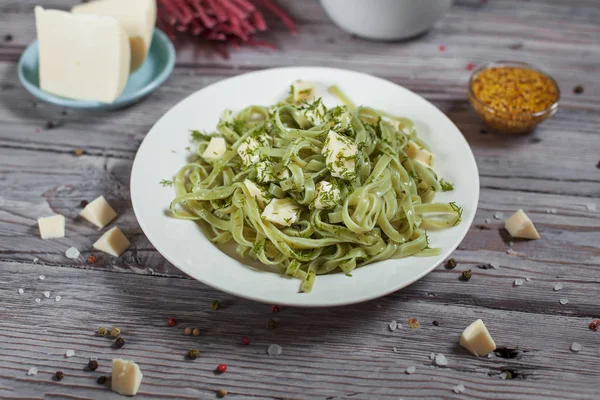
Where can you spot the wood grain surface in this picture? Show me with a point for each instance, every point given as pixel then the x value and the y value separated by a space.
pixel 333 353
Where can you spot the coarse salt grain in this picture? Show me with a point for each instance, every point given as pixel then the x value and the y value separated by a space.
pixel 274 350
pixel 575 347
pixel 528 279
pixel 42 277
pixel 564 301
pixel 553 211
pixel 590 207
pixel 489 355
pixel 440 360
pixel 32 371
pixel 38 300
pixel 395 349
pixel 47 294
pixel 410 370
pixel 458 389
pixel 70 353
pixel 431 356
pixel 393 325
pixel 35 259
pixel 510 244
pixel 518 282
pixel 498 215
pixel 558 287
pixel 57 298
pixel 72 253
pixel 503 375
pixel 495 265
pixel 21 291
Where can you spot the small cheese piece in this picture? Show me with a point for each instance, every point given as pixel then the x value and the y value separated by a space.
pixel 414 151
pixel 282 212
pixel 340 154
pixel 256 192
pixel 126 377
pixel 113 242
pixel 314 112
pixel 83 57
pixel 267 171
pixel 327 196
pixel 98 212
pixel 302 90
pixel 52 227
pixel 137 17
pixel 394 123
pixel 519 225
pixel 341 117
pixel 477 339
pixel 248 149
pixel 215 149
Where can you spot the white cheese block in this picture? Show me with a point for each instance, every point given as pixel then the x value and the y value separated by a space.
pixel 98 212
pixel 113 242
pixel 314 112
pixel 52 227
pixel 477 339
pixel 340 155
pixel 519 225
pixel 267 171
pixel 248 149
pixel 83 57
pixel 126 377
pixel 326 196
pixel 302 90
pixel 414 151
pixel 137 17
pixel 282 212
pixel 256 192
pixel 215 149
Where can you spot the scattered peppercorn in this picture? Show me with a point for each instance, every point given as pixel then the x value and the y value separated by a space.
pixel 8 37
pixel 215 305
pixel 102 331
pixel 245 340
pixel 595 325
pixel 466 275
pixel 507 352
pixel 171 322
pixel 193 354
pixel 59 375
pixel 435 323
pixel 114 332
pixel 470 66
pixel 483 131
pixel 413 323
pixel 83 203
pixel 442 47
pixel 92 259
pixel 79 152
pixel 93 365
pixel 221 368
pixel 196 332
pixel 63 112
pixel 120 342
pixel 221 393
pixel 101 380
pixel 451 263
pixel 271 324
pixel 275 308
pixel 187 331
pixel 578 89
pixel 50 125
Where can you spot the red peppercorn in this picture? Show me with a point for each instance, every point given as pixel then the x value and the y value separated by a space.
pixel 245 340
pixel 92 259
pixel 595 325
pixel 442 47
pixel 221 368
pixel 470 66
pixel 275 308
pixel 172 322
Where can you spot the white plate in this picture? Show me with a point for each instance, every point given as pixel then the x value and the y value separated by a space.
pixel 162 154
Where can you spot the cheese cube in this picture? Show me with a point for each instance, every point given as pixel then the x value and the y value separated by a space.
pixel 267 171
pixel 477 339
pixel 215 149
pixel 302 90
pixel 82 57
pixel 314 112
pixel 327 196
pixel 137 17
pixel 126 377
pixel 256 192
pixel 282 212
pixel 98 212
pixel 52 227
pixel 340 155
pixel 414 151
pixel 248 149
pixel 519 225
pixel 341 117
pixel 113 242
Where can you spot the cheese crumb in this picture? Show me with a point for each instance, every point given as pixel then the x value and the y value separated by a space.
pixel 340 155
pixel 98 212
pixel 302 90
pixel 519 225
pixel 282 212
pixel 112 242
pixel 126 377
pixel 477 339
pixel 215 149
pixel 52 227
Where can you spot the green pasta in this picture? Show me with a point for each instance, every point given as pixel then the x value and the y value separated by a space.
pixel 314 190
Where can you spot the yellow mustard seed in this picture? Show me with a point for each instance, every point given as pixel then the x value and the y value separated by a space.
pixel 187 331
pixel 114 332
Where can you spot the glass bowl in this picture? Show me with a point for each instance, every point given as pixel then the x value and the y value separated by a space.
pixel 510 122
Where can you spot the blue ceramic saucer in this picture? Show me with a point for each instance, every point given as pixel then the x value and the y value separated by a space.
pixel 156 69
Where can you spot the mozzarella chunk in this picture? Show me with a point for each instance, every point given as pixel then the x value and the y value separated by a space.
pixel 126 377
pixel 113 242
pixel 327 196
pixel 341 117
pixel 52 227
pixel 247 150
pixel 282 212
pixel 256 192
pixel 519 225
pixel 267 171
pixel 414 151
pixel 340 155
pixel 392 122
pixel 84 57
pixel 477 339
pixel 302 90
pixel 314 112
pixel 137 17
pixel 215 149
pixel 98 212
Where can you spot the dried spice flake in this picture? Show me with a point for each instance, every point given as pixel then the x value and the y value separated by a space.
pixel 413 323
pixel 466 275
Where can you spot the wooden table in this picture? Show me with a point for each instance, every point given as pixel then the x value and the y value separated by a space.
pixel 346 352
